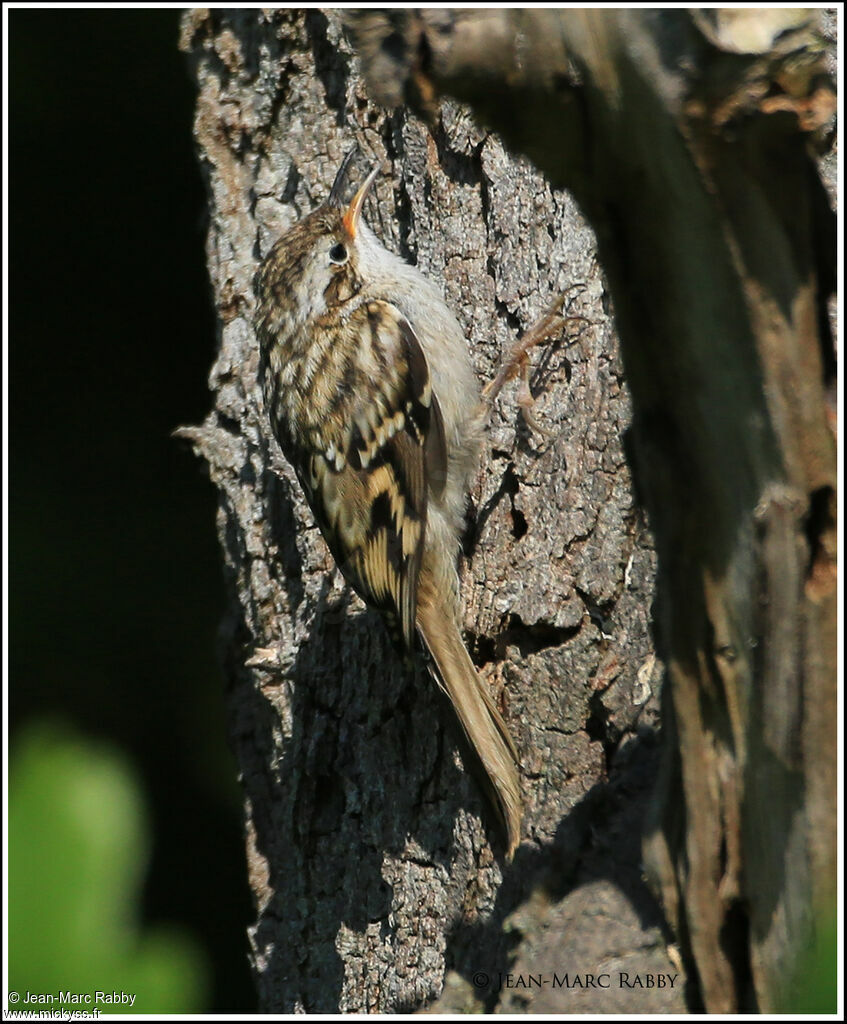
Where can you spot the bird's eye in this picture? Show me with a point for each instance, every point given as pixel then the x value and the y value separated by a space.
pixel 338 253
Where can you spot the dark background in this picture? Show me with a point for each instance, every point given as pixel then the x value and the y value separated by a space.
pixel 115 580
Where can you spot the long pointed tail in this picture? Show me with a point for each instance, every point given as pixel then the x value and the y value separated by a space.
pixel 482 722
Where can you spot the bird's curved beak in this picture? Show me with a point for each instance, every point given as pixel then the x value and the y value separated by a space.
pixel 354 210
pixel 340 182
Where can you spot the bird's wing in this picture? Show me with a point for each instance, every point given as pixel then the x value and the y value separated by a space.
pixel 369 473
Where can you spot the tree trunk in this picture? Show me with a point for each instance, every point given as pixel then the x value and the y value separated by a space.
pixel 374 860
pixel 687 139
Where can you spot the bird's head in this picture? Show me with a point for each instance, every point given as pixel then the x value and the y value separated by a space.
pixel 316 265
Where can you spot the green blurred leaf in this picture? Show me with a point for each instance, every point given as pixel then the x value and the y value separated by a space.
pixel 815 987
pixel 78 848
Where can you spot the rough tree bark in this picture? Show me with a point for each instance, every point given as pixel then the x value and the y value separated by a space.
pixel 688 138
pixel 374 861
pixel 371 854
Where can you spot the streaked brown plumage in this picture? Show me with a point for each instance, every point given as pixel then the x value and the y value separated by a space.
pixel 370 392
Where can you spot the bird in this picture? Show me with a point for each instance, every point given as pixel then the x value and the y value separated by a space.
pixel 369 390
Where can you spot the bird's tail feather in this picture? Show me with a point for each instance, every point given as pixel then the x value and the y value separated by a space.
pixel 482 722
